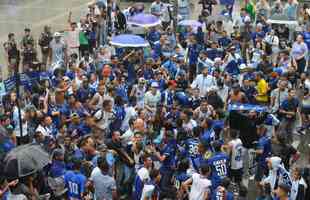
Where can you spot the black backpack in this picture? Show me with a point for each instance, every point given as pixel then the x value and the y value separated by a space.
pixel 306 177
pixel 268 47
pixel 94 113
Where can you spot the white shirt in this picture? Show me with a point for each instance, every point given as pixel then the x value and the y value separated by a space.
pixel 143 174
pixel 307 83
pixel 16 122
pixel 203 83
pixel 127 136
pixel 236 154
pixel 130 113
pixel 190 125
pixel 103 119
pixel 294 189
pixel 46 131
pixel 100 100
pixel 152 100
pixel 160 9
pixel 199 187
pixel 273 40
pixel 147 191
pixel 279 96
pixel 202 115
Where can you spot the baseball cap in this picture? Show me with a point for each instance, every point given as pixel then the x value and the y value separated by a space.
pixel 142 80
pixel 66 78
pixel 149 60
pixel 57 34
pixel 247 19
pixel 155 85
pixel 217 60
pixel 172 83
pixel 75 115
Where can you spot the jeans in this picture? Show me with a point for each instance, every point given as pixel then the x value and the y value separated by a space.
pixel 286 128
pixel 166 188
pixel 301 65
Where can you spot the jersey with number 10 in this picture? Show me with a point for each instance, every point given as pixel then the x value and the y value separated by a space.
pixel 75 183
pixel 219 168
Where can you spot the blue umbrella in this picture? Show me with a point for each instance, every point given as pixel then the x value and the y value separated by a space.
pixel 144 20
pixel 192 23
pixel 129 40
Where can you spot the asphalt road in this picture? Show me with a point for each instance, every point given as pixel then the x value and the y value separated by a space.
pixel 15 15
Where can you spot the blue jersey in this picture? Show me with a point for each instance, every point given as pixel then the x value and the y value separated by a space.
pixel 197 162
pixel 75 183
pixel 217 195
pixel 219 168
pixel 264 143
pixel 179 179
pixel 57 169
pixel 169 152
pixel 207 137
pixel 191 146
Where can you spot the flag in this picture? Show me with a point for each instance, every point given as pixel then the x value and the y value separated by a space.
pixel 250 9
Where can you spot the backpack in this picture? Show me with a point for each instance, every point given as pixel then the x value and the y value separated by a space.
pixel 268 47
pixel 95 112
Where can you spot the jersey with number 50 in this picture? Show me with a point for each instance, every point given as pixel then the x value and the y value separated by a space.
pixel 219 164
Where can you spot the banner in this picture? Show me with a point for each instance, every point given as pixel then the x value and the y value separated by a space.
pixel 247 107
pixel 26 80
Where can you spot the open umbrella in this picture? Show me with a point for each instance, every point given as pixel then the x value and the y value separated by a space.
pixel 129 40
pixel 25 160
pixel 192 23
pixel 144 20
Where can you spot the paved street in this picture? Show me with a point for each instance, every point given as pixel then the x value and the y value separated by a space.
pixel 15 15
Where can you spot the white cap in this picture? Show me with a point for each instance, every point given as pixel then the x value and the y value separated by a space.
pixel 217 60
pixel 66 78
pixel 141 80
pixel 155 85
pixel 247 19
pixel 57 34
pixel 242 66
pixel 259 25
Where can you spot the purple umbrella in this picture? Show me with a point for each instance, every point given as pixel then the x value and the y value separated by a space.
pixel 128 40
pixel 144 20
pixel 192 23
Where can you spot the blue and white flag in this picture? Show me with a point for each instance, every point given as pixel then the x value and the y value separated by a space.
pixel 247 107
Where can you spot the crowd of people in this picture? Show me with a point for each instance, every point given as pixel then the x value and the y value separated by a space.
pixel 196 115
